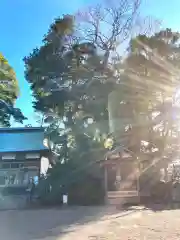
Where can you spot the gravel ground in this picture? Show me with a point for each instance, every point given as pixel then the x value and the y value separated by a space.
pixel 91 223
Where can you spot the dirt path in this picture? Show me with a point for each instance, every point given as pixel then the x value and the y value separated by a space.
pixel 90 223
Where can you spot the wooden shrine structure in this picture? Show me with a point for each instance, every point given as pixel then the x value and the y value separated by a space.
pixel 121 177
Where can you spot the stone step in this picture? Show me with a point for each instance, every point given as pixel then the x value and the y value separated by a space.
pixel 123 197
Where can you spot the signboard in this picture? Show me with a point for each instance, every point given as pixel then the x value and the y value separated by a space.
pixel 65 199
pixel 8 156
pixel 32 156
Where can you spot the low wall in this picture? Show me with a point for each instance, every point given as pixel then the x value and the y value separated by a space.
pixel 13 198
pixel 13 202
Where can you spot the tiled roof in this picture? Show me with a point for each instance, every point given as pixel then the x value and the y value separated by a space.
pixel 21 139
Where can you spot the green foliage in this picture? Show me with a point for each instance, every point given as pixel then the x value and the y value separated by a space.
pixel 80 176
pixel 66 77
pixel 149 109
pixel 71 81
pixel 71 88
pixel 66 91
pixel 8 94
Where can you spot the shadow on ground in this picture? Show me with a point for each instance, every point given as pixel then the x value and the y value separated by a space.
pixel 162 206
pixel 153 206
pixel 52 223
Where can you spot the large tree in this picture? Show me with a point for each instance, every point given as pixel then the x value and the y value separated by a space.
pixel 59 73
pixel 153 79
pixel 71 75
pixel 62 82
pixel 8 94
pixel 145 107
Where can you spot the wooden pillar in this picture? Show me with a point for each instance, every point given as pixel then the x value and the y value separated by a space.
pixel 39 175
pixel 118 172
pixel 106 183
pixel 138 173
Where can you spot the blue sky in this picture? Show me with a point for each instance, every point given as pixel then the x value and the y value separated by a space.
pixel 24 22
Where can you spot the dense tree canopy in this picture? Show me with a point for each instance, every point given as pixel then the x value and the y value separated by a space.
pixel 69 82
pixel 81 82
pixel 8 94
pixel 144 109
pixel 151 80
pixel 72 73
pixel 71 76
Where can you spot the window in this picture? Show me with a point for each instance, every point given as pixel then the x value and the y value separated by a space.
pixel 11 165
pixel 16 165
pixel 17 177
pixel 6 165
pixel 2 180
